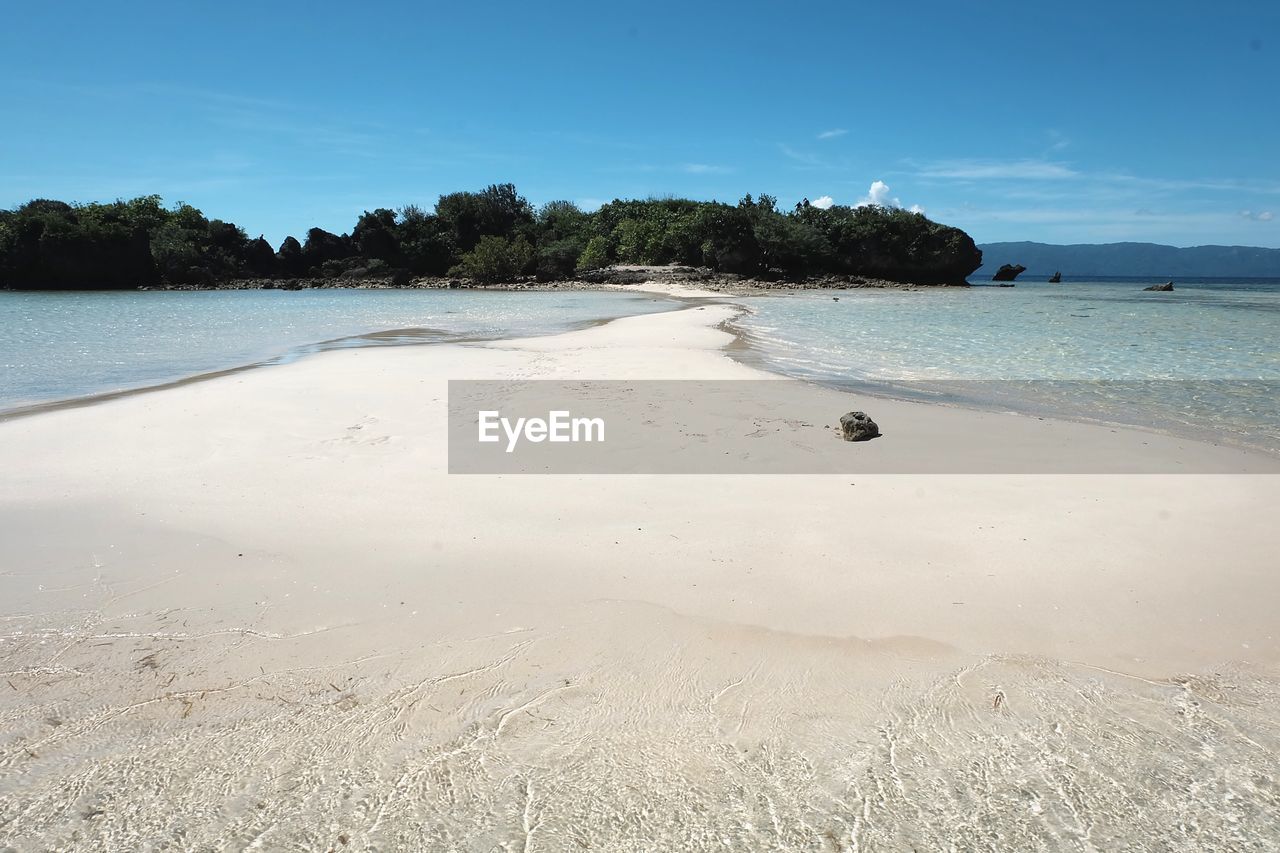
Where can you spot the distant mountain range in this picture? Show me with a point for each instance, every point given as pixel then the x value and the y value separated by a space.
pixel 1130 259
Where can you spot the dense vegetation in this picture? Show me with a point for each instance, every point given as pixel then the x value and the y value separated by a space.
pixel 490 236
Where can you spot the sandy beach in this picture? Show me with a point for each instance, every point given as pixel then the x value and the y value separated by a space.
pixel 257 612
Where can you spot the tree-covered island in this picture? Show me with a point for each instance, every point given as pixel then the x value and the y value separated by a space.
pixel 487 237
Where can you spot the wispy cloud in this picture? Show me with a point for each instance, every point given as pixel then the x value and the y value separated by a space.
pixel 231 119
pixel 804 158
pixel 833 133
pixel 1044 172
pixel 1057 140
pixel 1187 184
pixel 666 168
pixel 1063 200
pixel 823 202
pixel 704 169
pixel 251 115
pixel 981 170
pixel 339 139
pixel 1079 221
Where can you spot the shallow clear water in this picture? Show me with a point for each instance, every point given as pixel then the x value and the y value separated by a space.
pixel 56 346
pixel 1205 357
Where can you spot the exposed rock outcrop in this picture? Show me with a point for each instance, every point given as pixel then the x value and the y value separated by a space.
pixel 1056 278
pixel 1008 272
pixel 613 275
pixel 1163 288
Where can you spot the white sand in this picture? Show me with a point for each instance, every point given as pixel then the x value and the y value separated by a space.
pixel 257 610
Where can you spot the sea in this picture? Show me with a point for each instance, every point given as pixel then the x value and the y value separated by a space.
pixel 1203 360
pixel 58 346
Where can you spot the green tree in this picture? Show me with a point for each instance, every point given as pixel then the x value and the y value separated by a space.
pixel 47 243
pixel 634 240
pixel 497 211
pixel 558 259
pixel 376 236
pixel 425 241
pixel 322 246
pixel 595 255
pixel 495 259
pixel 559 220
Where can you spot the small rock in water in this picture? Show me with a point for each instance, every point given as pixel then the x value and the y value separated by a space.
pixel 857 426
pixel 1008 272
pixel 1164 288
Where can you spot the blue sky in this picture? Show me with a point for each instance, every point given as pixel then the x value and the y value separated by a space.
pixel 1090 122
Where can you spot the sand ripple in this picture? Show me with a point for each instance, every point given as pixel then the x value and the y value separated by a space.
pixel 697 736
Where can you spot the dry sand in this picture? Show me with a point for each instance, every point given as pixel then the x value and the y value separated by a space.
pixel 257 612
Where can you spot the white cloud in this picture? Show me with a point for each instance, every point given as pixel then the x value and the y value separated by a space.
pixel 878 195
pixel 823 202
pixel 833 133
pixel 1258 215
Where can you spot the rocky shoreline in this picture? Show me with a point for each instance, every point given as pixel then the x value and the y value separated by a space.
pixel 609 278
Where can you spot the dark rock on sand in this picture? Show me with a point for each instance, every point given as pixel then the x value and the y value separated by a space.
pixel 1163 288
pixel 857 426
pixel 1008 272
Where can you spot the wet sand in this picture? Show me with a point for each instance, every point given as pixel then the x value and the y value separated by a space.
pixel 255 611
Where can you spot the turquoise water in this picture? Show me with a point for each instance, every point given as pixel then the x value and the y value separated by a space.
pixel 57 346
pixel 1204 358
